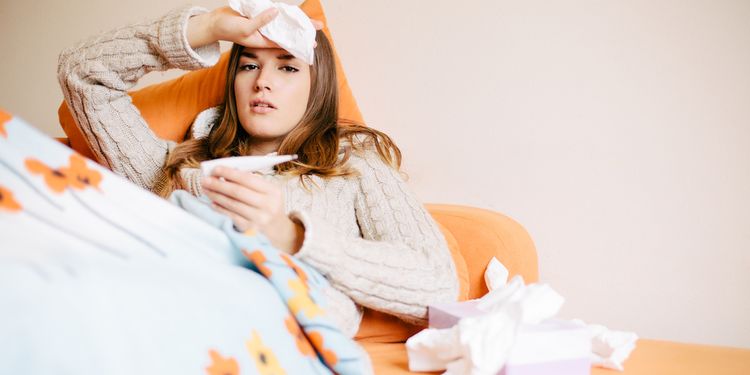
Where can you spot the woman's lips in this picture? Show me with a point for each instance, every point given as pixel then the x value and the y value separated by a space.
pixel 261 106
pixel 262 110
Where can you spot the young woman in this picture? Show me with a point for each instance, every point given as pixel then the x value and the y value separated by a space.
pixel 342 207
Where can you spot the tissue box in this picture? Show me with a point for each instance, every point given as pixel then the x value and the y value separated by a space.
pixel 446 315
pixel 554 346
pixel 551 347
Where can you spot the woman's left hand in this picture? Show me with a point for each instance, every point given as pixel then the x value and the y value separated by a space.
pixel 254 203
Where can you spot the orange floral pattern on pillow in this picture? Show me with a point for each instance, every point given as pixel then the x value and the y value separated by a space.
pixel 53 178
pixel 299 337
pixel 259 260
pixel 79 175
pixel 301 301
pixel 329 356
pixel 7 201
pixel 221 365
pixel 297 269
pixel 264 357
pixel 4 118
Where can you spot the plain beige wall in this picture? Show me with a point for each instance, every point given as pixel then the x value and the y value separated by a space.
pixel 616 132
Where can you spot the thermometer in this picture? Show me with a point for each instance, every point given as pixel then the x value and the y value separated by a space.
pixel 245 163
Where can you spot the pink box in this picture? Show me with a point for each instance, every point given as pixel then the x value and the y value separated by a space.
pixel 446 315
pixel 562 367
pixel 551 347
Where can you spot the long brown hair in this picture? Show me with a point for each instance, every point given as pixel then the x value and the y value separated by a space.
pixel 316 138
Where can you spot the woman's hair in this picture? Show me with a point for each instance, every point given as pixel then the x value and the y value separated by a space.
pixel 315 139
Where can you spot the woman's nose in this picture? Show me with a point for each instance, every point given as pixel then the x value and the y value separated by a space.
pixel 263 82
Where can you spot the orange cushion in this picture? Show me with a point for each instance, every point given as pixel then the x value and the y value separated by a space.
pixel 170 107
pixel 483 234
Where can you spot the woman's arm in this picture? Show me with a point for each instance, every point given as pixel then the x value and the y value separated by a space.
pixel 401 265
pixel 96 75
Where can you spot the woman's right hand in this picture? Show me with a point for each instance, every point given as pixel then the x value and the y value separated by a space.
pixel 226 24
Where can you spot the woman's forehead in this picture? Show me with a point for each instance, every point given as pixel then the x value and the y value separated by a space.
pixel 279 53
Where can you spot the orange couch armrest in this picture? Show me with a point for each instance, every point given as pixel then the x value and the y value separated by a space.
pixel 482 234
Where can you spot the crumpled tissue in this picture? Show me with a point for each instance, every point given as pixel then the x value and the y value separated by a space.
pixel 291 29
pixel 480 345
pixel 609 348
pixel 538 301
pixel 475 346
pixel 495 275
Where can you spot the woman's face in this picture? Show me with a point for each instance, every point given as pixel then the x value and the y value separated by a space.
pixel 271 89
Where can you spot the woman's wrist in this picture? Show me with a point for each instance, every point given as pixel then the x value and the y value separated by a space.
pixel 199 30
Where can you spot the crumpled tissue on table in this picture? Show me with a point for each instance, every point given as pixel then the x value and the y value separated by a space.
pixel 609 348
pixel 291 29
pixel 538 301
pixel 480 345
pixel 477 345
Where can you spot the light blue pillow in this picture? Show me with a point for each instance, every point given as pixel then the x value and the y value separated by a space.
pixel 98 276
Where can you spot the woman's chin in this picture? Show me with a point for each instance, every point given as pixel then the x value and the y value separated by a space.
pixel 263 135
pixel 261 128
pixel 264 128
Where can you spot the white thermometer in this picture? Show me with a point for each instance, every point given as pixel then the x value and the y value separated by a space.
pixel 245 163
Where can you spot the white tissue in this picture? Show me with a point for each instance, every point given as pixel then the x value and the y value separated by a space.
pixel 475 346
pixel 481 344
pixel 496 275
pixel 433 348
pixel 486 341
pixel 538 301
pixel 609 348
pixel 291 29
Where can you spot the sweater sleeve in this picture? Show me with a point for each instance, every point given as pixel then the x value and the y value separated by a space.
pixel 96 74
pixel 401 264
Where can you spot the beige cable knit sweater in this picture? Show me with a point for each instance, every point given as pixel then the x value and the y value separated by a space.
pixel 369 235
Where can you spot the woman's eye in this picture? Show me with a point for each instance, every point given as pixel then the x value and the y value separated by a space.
pixel 289 69
pixel 248 67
